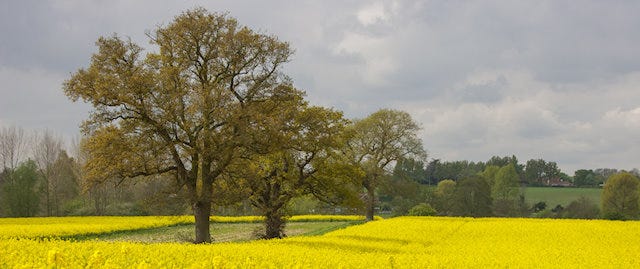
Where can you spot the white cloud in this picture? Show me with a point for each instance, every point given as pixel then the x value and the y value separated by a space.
pixel 625 118
pixel 377 63
pixel 372 14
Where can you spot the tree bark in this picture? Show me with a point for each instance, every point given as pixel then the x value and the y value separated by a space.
pixel 371 199
pixel 201 203
pixel 202 212
pixel 274 225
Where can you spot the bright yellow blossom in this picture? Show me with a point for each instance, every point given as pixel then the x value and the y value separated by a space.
pixel 406 242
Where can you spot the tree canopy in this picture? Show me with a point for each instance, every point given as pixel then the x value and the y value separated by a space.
pixel 303 159
pixel 384 137
pixel 190 109
pixel 620 197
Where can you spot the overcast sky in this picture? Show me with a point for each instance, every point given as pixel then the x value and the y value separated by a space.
pixel 557 80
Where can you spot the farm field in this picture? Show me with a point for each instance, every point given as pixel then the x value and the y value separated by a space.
pixel 560 196
pixel 404 242
pixel 220 232
pixel 115 227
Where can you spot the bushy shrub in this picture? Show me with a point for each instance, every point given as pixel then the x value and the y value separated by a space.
pixel 583 208
pixel 620 197
pixel 422 210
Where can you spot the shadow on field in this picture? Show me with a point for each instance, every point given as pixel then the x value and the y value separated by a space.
pixel 373 239
pixel 342 246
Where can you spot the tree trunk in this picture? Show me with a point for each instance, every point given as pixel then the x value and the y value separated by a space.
pixel 274 225
pixel 201 191
pixel 202 212
pixel 371 200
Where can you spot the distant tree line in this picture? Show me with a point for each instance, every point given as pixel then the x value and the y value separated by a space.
pixel 535 172
pixel 39 178
pixel 497 188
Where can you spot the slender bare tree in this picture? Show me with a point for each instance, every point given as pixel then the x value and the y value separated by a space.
pixel 46 151
pixel 13 145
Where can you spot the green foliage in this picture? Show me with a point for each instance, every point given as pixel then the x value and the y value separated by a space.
pixel 303 205
pixel 503 161
pixel 583 208
pixel 620 197
pixel 489 174
pixel 20 190
pixel 602 174
pixel 192 108
pixel 455 170
pixel 400 206
pixel 505 191
pixel 537 172
pixel 402 190
pixel 585 178
pixel 444 195
pixel 422 209
pixel 384 137
pixel 410 169
pixel 472 197
pixel 302 160
pixel 63 184
pixel 506 183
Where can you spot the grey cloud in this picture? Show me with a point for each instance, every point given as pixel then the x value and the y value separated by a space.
pixel 535 79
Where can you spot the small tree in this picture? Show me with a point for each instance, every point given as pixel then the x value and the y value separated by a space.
pixel 472 197
pixel 47 150
pixel 505 191
pixel 301 158
pixel 620 197
pixel 378 141
pixel 444 196
pixel 20 190
pixel 13 145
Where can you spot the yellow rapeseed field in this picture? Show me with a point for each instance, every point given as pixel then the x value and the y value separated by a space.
pixel 297 218
pixel 68 226
pixel 406 242
pixel 52 227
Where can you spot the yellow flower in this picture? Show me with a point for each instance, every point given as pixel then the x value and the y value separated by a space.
pixel 55 258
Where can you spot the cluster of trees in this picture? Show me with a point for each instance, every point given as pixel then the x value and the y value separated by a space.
pixel 597 177
pixel 496 188
pixel 498 191
pixel 495 191
pixel 40 176
pixel 534 172
pixel 37 177
pixel 212 109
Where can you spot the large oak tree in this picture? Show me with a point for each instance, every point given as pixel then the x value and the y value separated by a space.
pixel 190 107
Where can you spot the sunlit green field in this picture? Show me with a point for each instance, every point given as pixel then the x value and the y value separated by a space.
pixel 560 196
